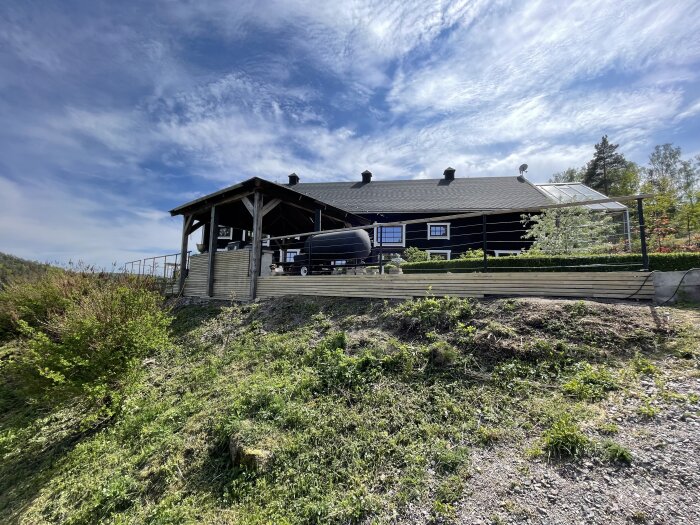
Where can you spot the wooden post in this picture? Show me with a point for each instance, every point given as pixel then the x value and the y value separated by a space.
pixel 483 242
pixel 643 235
pixel 186 223
pixel 213 242
pixel 317 220
pixel 256 248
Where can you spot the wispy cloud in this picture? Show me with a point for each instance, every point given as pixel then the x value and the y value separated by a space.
pixel 110 116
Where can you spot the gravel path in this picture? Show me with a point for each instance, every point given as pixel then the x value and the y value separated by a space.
pixel 661 486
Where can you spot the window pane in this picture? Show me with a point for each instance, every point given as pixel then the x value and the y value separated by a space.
pixel 438 230
pixel 391 234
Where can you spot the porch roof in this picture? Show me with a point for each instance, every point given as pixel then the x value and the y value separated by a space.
pixel 290 212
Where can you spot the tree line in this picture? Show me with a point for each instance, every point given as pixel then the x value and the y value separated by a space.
pixel 673 214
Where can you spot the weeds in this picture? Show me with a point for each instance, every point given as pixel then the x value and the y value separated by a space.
pixel 590 383
pixel 353 428
pixel 614 452
pixel 564 439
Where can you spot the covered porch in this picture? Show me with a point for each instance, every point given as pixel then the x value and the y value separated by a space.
pixel 263 209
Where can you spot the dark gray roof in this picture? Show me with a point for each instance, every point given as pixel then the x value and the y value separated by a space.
pixel 427 195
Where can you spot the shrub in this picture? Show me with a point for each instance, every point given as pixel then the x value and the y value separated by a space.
pixel 34 300
pixel 565 439
pixel 473 254
pixel 90 340
pixel 616 262
pixel 413 254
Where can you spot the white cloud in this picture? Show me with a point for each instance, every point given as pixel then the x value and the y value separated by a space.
pixel 48 223
pixel 401 88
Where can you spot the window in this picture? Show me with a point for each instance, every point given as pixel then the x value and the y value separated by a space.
pixel 438 230
pixel 225 232
pixel 390 235
pixel 266 241
pixel 439 255
pixel 289 255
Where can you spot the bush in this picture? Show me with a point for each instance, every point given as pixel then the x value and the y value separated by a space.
pixel 34 300
pixel 87 342
pixel 413 254
pixel 665 262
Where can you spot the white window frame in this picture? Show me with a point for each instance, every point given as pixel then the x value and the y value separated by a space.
pixel 401 244
pixel 447 253
pixel 294 251
pixel 266 240
pixel 439 236
pixel 499 253
pixel 230 233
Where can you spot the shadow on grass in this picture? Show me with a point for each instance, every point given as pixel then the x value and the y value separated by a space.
pixel 27 463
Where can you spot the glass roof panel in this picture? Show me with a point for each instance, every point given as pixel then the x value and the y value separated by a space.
pixel 576 191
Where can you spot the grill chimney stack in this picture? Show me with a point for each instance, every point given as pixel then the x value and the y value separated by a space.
pixel 366 176
pixel 293 179
pixel 449 174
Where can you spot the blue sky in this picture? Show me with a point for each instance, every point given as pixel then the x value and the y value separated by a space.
pixel 112 113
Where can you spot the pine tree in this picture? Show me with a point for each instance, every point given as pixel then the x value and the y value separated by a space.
pixel 606 167
pixel 569 175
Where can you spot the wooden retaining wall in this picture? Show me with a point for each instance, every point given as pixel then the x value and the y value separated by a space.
pixel 231 279
pixel 601 285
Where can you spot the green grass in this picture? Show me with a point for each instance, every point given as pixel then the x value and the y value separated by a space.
pixel 363 411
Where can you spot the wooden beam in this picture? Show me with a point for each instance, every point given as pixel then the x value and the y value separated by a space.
pixel 186 224
pixel 270 206
pixel 317 220
pixel 194 227
pixel 256 251
pixel 213 241
pixel 206 206
pixel 248 205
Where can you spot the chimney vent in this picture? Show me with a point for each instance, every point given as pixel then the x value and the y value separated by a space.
pixel 449 174
pixel 293 179
pixel 366 176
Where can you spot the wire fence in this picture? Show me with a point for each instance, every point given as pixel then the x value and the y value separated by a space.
pixel 469 246
pixel 165 269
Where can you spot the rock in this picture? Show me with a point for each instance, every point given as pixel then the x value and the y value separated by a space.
pixel 255 459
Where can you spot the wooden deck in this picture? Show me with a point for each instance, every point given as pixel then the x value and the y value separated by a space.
pixel 599 285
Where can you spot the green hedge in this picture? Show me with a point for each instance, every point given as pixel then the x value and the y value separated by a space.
pixel 577 263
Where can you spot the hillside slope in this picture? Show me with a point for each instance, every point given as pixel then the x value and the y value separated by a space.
pixel 12 267
pixel 300 410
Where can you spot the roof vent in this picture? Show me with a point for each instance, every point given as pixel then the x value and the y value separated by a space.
pixel 449 174
pixel 293 179
pixel 366 176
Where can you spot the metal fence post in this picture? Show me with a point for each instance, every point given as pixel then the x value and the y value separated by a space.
pixel 643 235
pixel 381 250
pixel 311 252
pixel 483 242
